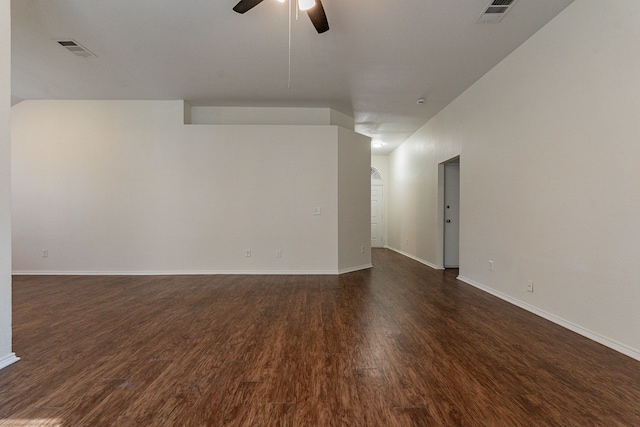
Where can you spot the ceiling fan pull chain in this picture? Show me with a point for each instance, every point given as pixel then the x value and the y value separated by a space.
pixel 289 77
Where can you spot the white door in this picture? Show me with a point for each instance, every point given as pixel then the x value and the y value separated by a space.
pixel 377 225
pixel 451 215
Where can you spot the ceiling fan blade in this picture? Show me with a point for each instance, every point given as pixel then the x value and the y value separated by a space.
pixel 318 17
pixel 245 5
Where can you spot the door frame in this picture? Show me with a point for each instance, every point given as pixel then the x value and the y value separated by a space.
pixel 440 214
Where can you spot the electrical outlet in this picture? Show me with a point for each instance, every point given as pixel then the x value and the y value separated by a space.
pixel 490 265
pixel 530 286
pixel 278 253
pixel 247 253
pixel 361 249
pixel 317 211
pixel 45 253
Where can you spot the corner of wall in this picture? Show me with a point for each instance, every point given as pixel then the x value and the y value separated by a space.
pixel 337 118
pixel 6 357
pixel 187 112
pixel 354 200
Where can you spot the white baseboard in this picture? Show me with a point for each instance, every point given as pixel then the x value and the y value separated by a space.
pixel 612 344
pixel 357 268
pixel 415 258
pixel 189 272
pixel 8 360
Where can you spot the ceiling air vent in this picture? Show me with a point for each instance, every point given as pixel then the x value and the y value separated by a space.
pixel 77 49
pixel 495 10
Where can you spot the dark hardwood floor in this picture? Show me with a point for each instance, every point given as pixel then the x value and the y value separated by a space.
pixel 398 345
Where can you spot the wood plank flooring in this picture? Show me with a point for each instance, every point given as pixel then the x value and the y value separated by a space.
pixel 398 345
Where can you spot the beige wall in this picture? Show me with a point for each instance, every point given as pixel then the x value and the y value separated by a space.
pixel 6 356
pixel 413 193
pixel 354 204
pixel 125 186
pixel 203 115
pixel 549 175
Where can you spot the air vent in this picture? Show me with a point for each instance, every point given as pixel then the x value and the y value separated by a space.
pixel 77 49
pixel 495 10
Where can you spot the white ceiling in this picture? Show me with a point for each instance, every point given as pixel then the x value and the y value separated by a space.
pixel 376 60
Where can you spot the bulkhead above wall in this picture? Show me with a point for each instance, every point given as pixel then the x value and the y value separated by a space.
pixel 210 115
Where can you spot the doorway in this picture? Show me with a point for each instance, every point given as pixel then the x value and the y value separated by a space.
pixel 451 214
pixel 377 217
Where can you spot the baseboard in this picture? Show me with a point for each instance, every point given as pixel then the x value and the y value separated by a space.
pixel 8 360
pixel 614 345
pixel 415 258
pixel 189 272
pixel 357 268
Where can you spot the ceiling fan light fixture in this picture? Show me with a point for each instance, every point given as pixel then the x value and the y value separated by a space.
pixel 306 4
pixel 314 9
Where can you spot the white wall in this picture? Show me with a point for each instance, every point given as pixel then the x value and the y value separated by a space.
pixel 207 115
pixel 337 118
pixel 125 186
pixel 6 356
pixel 413 192
pixel 549 175
pixel 354 204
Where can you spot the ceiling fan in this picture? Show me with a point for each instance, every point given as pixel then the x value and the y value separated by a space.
pixel 313 7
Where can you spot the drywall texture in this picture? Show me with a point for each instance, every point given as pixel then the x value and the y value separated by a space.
pixel 549 174
pixel 125 186
pixel 6 356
